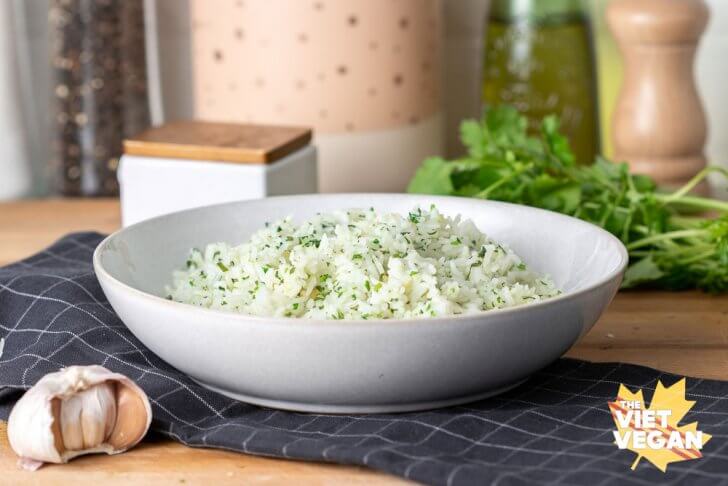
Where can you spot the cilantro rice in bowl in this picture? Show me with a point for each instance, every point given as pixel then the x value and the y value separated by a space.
pixel 361 264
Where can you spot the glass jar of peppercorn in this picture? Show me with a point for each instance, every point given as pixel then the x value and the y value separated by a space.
pixel 99 87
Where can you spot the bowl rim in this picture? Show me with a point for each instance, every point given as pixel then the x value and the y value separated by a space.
pixel 480 316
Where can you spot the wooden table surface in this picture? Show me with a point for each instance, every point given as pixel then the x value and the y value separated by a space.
pixel 684 333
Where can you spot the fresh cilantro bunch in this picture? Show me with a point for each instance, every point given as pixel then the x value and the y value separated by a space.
pixel 670 245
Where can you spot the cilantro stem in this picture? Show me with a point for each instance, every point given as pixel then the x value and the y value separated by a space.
pixel 698 257
pixel 627 224
pixel 686 222
pixel 681 195
pixel 694 201
pixel 670 235
pixel 673 252
pixel 690 185
pixel 485 192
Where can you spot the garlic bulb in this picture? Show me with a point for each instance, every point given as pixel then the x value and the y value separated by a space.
pixel 75 411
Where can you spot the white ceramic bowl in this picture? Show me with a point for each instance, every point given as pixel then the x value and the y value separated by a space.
pixel 360 366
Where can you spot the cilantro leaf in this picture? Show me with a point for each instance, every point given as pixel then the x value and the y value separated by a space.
pixel 432 178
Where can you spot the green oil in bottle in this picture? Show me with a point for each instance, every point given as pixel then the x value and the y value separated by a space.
pixel 539 58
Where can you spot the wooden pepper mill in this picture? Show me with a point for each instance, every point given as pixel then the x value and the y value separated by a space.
pixel 659 126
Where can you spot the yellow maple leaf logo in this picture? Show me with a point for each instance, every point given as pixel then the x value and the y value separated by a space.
pixel 653 432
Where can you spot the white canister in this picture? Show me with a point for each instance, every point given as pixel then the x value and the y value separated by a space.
pixel 188 164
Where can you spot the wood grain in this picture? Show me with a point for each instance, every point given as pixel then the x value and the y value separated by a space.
pixel 223 142
pixel 685 333
pixel 168 463
pixel 29 226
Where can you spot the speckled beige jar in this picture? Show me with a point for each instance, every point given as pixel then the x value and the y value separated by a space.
pixel 364 74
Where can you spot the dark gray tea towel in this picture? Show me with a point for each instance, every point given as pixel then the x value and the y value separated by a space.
pixel 554 429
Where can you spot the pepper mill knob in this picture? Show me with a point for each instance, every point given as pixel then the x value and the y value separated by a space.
pixel 659 125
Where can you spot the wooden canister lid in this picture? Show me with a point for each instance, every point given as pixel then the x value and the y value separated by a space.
pixel 223 142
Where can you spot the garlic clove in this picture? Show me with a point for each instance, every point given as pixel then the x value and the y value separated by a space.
pixel 56 425
pixel 75 411
pixel 111 415
pixel 98 410
pixel 69 420
pixel 129 419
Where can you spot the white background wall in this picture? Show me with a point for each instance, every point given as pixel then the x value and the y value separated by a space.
pixel 15 179
pixel 712 72
pixel 32 69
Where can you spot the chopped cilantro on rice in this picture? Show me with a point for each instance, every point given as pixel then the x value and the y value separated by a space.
pixel 361 264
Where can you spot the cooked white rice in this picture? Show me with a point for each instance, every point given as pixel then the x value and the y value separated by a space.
pixel 361 264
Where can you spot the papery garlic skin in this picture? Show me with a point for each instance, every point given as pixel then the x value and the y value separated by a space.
pixel 75 411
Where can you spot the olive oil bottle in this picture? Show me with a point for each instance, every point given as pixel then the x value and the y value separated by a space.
pixel 539 58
